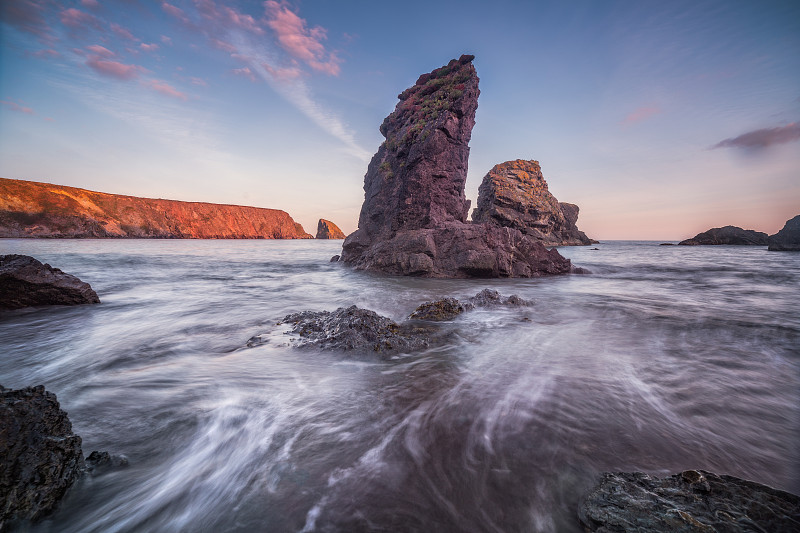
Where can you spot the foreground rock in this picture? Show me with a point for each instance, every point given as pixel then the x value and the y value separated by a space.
pixel 514 194
pixel 26 282
pixel 414 217
pixel 788 238
pixel 32 209
pixel 328 230
pixel 728 235
pixel 692 501
pixel 449 308
pixel 41 456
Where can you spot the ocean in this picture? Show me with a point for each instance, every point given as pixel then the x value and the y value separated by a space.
pixel 665 358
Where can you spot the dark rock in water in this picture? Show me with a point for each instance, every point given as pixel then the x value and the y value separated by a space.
pixel 334 259
pixel 667 244
pixel 414 217
pixel 445 309
pixel 728 235
pixel 514 194
pixel 26 282
pixel 351 328
pixel 449 308
pixel 692 501
pixel 328 230
pixel 40 456
pixel 99 462
pixel 788 238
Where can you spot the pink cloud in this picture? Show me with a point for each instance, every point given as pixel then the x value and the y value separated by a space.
pixel 300 41
pixel 222 45
pixel 14 106
pixel 26 15
pixel 640 114
pixel 176 12
pixel 91 4
pixel 283 73
pixel 246 72
pixel 243 21
pixel 166 89
pixel 100 50
pixel 123 33
pixel 79 20
pixel 166 40
pixel 45 54
pixel 114 69
pixel 198 81
pixel 149 47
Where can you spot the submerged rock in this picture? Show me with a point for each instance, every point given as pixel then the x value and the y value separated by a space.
pixel 40 456
pixel 449 308
pixel 99 462
pixel 728 235
pixel 788 238
pixel 693 501
pixel 26 282
pixel 414 217
pixel 328 230
pixel 514 194
pixel 352 328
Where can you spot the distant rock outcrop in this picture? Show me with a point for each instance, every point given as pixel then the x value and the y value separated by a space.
pixel 728 235
pixel 788 238
pixel 514 194
pixel 328 230
pixel 31 209
pixel 693 501
pixel 414 217
pixel 40 456
pixel 26 282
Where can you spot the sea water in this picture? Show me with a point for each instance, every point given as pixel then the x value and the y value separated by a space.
pixel 664 358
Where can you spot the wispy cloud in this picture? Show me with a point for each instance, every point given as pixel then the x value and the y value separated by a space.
pixel 763 138
pixel 165 89
pixel 26 15
pixel 640 114
pixel 299 40
pixel 246 72
pixel 114 69
pixel 14 106
pixel 149 47
pixel 122 32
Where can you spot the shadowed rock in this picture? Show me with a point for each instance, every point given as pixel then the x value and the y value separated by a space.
pixel 788 238
pixel 693 501
pixel 328 230
pixel 414 217
pixel 26 282
pixel 449 308
pixel 514 194
pixel 40 456
pixel 728 235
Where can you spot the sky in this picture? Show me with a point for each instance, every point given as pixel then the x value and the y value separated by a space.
pixel 659 119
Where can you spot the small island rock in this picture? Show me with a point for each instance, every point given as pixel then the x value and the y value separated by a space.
pixel 694 501
pixel 728 235
pixel 26 282
pixel 514 194
pixel 328 230
pixel 788 238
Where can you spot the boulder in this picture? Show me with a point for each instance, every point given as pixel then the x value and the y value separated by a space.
pixel 41 456
pixel 788 238
pixel 514 194
pixel 414 217
pixel 728 235
pixel 693 501
pixel 26 282
pixel 449 308
pixel 328 230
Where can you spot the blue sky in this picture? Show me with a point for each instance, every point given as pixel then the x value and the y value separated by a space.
pixel 659 119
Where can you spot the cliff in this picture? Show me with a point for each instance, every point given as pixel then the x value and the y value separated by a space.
pixel 32 209
pixel 788 238
pixel 328 230
pixel 728 235
pixel 414 217
pixel 514 194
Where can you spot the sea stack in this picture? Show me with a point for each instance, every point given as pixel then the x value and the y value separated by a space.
pixel 732 235
pixel 788 238
pixel 514 194
pixel 328 230
pixel 414 217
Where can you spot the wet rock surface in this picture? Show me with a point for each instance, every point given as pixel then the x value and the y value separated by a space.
pixel 100 462
pixel 693 501
pixel 514 194
pixel 328 230
pixel 414 217
pixel 788 238
pixel 40 456
pixel 26 282
pixel 728 235
pixel 449 308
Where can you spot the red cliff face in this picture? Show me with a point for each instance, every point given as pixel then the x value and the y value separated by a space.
pixel 328 230
pixel 31 209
